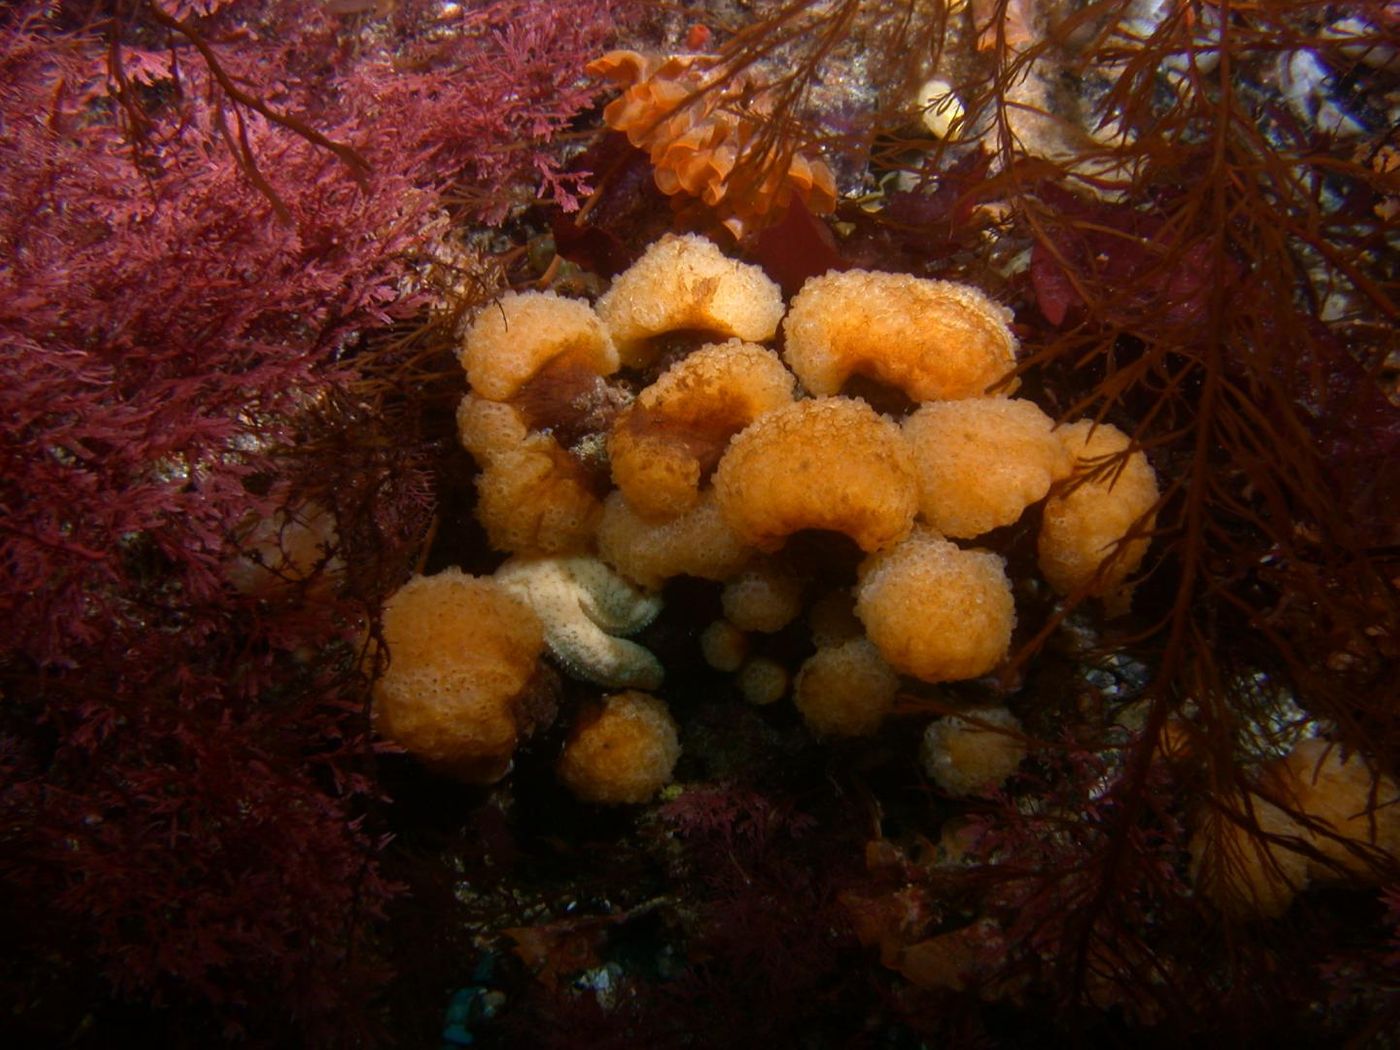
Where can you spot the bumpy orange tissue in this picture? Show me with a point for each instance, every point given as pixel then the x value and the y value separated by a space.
pixel 461 654
pixel 936 611
pixel 845 689
pixel 764 597
pixel 666 443
pixel 1358 810
pixel 523 353
pixel 763 680
pixel 1084 527
pixel 968 755
pixel 532 496
pixel 830 463
pixel 698 543
pixel 687 283
pixel 290 547
pixel 724 646
pixel 1247 873
pixel 933 340
pixel 982 461
pixel 514 338
pixel 622 750
pixel 1346 812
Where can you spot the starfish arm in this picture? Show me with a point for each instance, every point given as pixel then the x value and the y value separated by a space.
pixel 609 599
pixel 595 656
pixel 578 600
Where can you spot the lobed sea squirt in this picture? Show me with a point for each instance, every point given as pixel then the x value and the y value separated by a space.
pixel 787 459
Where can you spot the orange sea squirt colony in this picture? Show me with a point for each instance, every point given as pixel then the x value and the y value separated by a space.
pixel 462 653
pixel 982 461
pixel 686 282
pixel 1084 540
pixel 667 442
pixel 720 460
pixel 765 597
pixel 973 753
pixel 522 351
pixel 622 749
pixel 1333 804
pixel 701 127
pixel 935 610
pixel 876 324
pixel 845 689
pixel 699 543
pixel 517 336
pixel 286 549
pixel 822 463
pixel 532 496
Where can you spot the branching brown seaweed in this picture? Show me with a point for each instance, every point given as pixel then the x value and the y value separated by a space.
pixel 1209 269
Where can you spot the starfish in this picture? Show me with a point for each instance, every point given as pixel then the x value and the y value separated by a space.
pixel 584 605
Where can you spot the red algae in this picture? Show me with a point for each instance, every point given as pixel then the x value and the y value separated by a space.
pixel 234 298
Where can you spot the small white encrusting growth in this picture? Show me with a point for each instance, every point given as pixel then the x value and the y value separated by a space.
pixel 940 108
